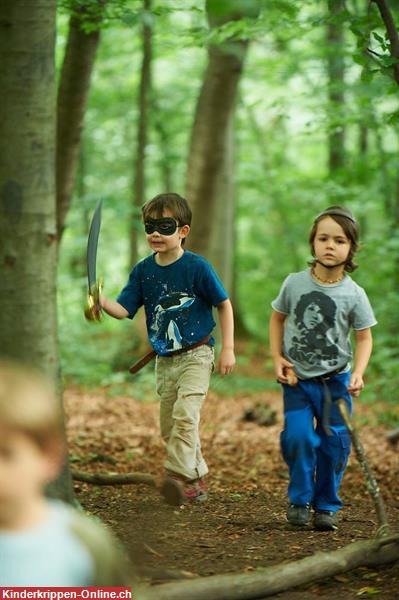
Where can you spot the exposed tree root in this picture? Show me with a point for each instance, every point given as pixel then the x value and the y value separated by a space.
pixel 114 478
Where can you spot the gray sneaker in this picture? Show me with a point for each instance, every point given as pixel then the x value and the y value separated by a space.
pixel 298 514
pixel 325 520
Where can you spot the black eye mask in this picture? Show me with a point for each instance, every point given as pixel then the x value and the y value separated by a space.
pixel 165 226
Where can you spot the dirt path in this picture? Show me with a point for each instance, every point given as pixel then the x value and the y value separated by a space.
pixel 242 526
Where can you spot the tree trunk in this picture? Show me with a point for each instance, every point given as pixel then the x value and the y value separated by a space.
pixel 275 579
pixel 392 33
pixel 165 165
pixel 206 157
pixel 27 234
pixel 336 71
pixel 28 249
pixel 221 251
pixel 213 115
pixel 72 100
pixel 139 167
pixel 77 266
pixel 393 37
pixel 396 207
pixel 386 184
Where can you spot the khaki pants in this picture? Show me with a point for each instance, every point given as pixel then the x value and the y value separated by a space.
pixel 182 384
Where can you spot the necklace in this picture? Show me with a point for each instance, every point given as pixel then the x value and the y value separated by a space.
pixel 314 274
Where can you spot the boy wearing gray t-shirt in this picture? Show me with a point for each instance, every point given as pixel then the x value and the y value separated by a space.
pixel 310 327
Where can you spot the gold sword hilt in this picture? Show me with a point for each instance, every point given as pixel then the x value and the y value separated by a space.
pixel 93 311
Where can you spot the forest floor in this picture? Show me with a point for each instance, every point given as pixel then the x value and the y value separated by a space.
pixel 242 526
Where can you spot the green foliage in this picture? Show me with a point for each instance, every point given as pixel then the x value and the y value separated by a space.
pixel 239 384
pixel 283 124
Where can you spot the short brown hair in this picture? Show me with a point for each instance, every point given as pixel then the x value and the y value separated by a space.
pixel 347 221
pixel 29 405
pixel 174 203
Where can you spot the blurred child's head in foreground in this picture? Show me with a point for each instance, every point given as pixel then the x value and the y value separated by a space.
pixel 29 405
pixel 31 441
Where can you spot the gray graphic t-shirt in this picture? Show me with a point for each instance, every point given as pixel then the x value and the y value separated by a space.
pixel 319 320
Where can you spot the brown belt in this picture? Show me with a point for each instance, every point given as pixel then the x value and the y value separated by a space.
pixel 150 355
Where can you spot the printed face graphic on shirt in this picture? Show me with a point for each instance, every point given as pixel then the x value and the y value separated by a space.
pixel 312 316
pixel 315 316
pixel 166 312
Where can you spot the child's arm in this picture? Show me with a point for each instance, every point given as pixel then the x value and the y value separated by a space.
pixel 364 345
pixel 276 330
pixel 226 359
pixel 113 308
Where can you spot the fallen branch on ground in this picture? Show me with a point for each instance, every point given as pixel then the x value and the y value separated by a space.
pixel 272 580
pixel 114 478
pixel 372 485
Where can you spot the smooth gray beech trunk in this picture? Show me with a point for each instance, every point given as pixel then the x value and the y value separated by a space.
pixel 206 163
pixel 28 248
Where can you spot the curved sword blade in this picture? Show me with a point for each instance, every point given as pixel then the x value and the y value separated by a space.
pixel 92 244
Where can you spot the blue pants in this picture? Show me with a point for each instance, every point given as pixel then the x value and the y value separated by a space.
pixel 316 458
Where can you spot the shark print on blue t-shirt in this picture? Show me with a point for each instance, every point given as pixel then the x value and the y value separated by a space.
pixel 164 325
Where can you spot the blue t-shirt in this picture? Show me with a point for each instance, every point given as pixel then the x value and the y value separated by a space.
pixel 177 299
pixel 65 549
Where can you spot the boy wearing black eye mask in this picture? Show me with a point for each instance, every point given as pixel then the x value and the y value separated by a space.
pixel 178 289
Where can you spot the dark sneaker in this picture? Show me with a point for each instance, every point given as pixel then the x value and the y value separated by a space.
pixel 298 514
pixel 325 520
pixel 177 491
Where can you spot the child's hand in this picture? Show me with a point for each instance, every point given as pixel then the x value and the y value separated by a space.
pixel 356 384
pixel 291 376
pixel 226 361
pixel 283 370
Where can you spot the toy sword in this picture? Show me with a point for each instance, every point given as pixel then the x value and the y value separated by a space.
pixel 93 311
